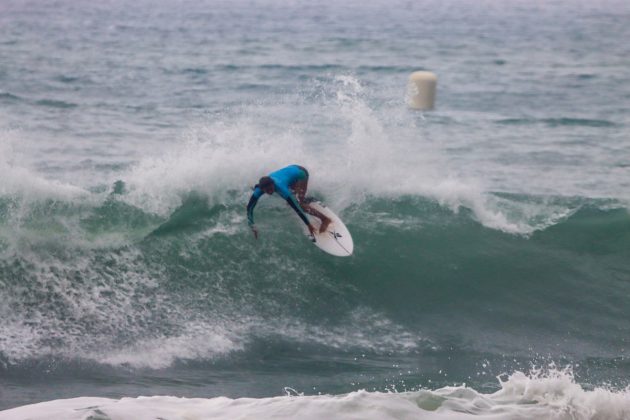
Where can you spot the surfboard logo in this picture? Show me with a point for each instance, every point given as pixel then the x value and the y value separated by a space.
pixel 335 235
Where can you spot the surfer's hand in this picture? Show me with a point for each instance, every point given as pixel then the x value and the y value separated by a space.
pixel 255 231
pixel 311 229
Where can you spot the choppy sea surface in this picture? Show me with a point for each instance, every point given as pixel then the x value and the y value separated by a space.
pixel 491 274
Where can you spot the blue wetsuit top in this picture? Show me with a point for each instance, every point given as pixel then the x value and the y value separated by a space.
pixel 283 180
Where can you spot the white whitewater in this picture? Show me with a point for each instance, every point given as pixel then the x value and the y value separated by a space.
pixel 553 395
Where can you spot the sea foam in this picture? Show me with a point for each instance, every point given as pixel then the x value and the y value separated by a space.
pixel 552 395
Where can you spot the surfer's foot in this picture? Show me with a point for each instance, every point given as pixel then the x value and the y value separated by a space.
pixel 324 225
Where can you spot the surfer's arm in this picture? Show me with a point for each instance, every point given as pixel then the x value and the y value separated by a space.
pixel 285 193
pixel 252 203
pixel 295 206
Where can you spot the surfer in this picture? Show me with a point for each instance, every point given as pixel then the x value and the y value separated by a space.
pixel 289 182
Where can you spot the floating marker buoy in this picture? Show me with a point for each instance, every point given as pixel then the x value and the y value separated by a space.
pixel 421 90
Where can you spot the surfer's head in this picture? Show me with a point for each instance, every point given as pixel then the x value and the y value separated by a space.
pixel 266 184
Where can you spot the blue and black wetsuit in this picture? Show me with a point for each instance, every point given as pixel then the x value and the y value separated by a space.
pixel 283 180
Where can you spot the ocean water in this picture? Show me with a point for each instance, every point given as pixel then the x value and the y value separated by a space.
pixel 491 274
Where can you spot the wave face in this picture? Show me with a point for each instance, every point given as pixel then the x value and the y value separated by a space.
pixel 94 284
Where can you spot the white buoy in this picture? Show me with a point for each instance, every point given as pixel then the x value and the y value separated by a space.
pixel 421 90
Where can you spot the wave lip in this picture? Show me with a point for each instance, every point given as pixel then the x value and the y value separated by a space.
pixel 553 394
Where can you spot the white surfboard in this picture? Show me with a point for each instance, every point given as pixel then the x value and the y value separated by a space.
pixel 336 240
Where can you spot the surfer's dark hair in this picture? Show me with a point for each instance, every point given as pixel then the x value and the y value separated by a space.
pixel 264 182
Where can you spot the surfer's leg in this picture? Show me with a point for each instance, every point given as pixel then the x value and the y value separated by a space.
pixel 299 188
pixel 325 220
pixel 301 185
